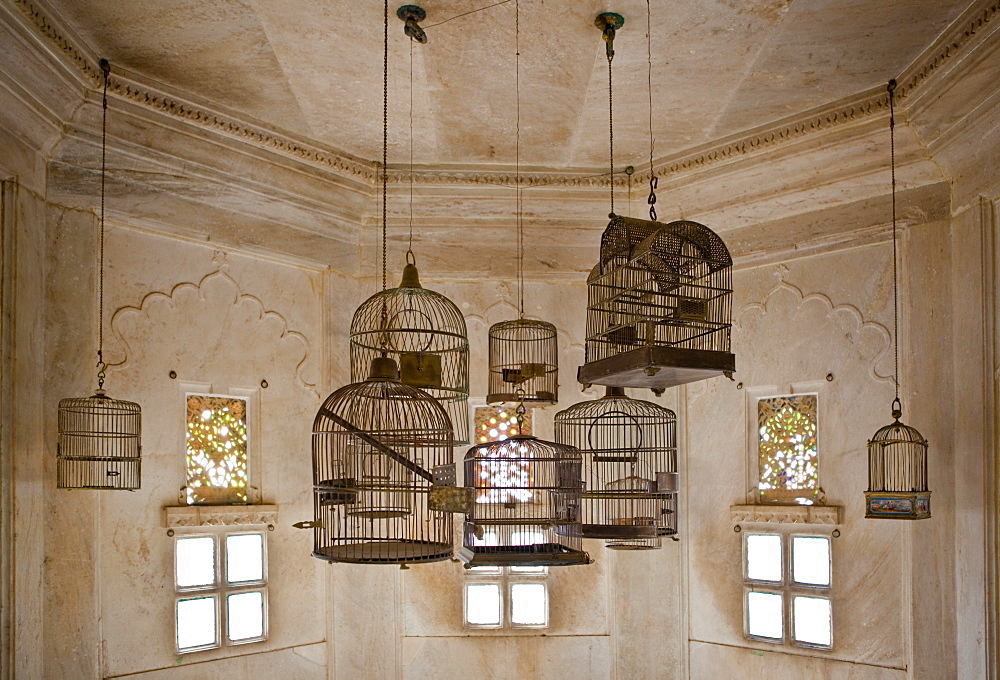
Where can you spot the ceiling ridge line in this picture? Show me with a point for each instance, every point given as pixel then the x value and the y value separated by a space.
pixel 948 46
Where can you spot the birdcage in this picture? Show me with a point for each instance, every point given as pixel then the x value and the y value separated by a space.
pixel 99 443
pixel 374 446
pixel 525 508
pixel 425 333
pixel 659 306
pixel 629 450
pixel 524 363
pixel 897 473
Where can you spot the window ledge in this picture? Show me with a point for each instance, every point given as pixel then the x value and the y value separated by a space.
pixel 786 514
pixel 219 515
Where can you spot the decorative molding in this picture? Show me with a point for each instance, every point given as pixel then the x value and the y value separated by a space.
pixel 822 119
pixel 851 310
pixel 786 514
pixel 158 300
pixel 219 515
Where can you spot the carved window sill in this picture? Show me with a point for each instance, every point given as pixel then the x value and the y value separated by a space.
pixel 786 514
pixel 220 515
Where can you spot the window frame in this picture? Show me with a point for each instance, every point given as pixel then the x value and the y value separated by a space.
pixel 221 588
pixel 504 578
pixel 787 587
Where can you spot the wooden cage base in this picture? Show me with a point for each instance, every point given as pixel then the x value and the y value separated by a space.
pixel 657 368
pixel 385 552
pixel 538 555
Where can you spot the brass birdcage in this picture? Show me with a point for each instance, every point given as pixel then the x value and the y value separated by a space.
pixel 375 444
pixel 425 333
pixel 99 443
pixel 629 452
pixel 525 506
pixel 897 473
pixel 897 453
pixel 659 306
pixel 523 362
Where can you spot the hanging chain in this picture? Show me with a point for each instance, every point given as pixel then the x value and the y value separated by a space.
pixel 896 404
pixel 628 173
pixel 611 133
pixel 517 157
pixel 385 133
pixel 653 180
pixel 409 247
pixel 101 366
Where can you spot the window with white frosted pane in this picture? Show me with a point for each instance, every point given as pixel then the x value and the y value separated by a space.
pixel 787 589
pixel 506 597
pixel 221 583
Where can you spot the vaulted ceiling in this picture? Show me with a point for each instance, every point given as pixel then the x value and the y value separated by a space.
pixel 313 68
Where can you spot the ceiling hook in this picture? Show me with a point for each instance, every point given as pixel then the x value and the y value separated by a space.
pixel 609 23
pixel 411 15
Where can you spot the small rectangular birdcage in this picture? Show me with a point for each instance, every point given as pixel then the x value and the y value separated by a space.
pixel 659 306
pixel 525 506
pixel 99 444
pixel 524 362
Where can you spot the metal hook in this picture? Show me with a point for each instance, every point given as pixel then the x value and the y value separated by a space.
pixel 411 14
pixel 609 23
pixel 410 257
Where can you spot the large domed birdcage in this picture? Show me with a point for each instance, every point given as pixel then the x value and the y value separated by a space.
pixel 524 362
pixel 99 443
pixel 425 333
pixel 897 473
pixel 525 507
pixel 375 445
pixel 659 306
pixel 629 452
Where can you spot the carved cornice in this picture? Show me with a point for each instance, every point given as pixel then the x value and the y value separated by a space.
pixel 864 105
pixel 786 514
pixel 220 515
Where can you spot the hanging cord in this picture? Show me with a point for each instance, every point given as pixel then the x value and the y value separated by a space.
pixel 897 406
pixel 629 171
pixel 517 157
pixel 385 134
pixel 409 247
pixel 101 366
pixel 653 180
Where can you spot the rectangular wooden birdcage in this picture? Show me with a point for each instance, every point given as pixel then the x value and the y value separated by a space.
pixel 659 307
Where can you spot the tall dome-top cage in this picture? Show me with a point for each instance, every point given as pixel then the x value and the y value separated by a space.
pixel 659 307
pixel 629 452
pixel 425 333
pixel 525 506
pixel 375 444
pixel 897 473
pixel 524 362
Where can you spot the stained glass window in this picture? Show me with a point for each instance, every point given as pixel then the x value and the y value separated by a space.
pixel 216 450
pixel 495 424
pixel 788 457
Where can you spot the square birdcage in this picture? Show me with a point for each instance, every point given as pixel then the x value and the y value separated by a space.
pixel 629 450
pixel 659 309
pixel 525 508
pixel 524 362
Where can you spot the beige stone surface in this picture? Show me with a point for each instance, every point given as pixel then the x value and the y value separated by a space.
pixel 242 234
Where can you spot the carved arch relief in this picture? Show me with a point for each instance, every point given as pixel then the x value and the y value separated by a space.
pixel 211 327
pixel 791 337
